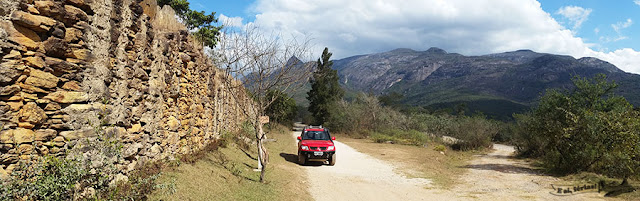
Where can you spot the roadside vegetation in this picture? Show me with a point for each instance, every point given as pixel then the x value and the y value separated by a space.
pixel 366 117
pixel 585 129
pixel 571 132
pixel 227 173
pixel 87 171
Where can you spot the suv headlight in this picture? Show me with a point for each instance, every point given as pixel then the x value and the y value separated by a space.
pixel 304 147
pixel 330 148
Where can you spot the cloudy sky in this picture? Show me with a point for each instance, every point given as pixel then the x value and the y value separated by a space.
pixel 609 30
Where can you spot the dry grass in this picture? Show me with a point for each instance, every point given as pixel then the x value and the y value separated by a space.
pixel 227 174
pixel 165 20
pixel 417 161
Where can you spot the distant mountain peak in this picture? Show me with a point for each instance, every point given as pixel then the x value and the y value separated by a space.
pixel 294 61
pixel 496 84
pixel 520 56
pixel 401 50
pixel 435 50
pixel 525 50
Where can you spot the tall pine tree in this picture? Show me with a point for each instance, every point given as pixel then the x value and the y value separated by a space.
pixel 325 89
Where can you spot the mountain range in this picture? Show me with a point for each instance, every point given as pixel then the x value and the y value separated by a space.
pixel 496 84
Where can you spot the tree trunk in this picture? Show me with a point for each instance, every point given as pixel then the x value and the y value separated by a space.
pixel 263 155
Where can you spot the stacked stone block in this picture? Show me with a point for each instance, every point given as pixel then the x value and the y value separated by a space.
pixel 69 67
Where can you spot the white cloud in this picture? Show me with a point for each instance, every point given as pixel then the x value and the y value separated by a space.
pixel 468 27
pixel 637 2
pixel 597 30
pixel 618 27
pixel 230 21
pixel 577 15
pixel 622 25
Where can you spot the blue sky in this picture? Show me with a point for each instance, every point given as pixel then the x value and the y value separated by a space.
pixel 609 30
pixel 603 15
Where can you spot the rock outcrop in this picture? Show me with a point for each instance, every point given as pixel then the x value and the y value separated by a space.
pixel 71 66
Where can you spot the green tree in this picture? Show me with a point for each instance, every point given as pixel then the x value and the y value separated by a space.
pixel 325 89
pixel 391 99
pixel 204 25
pixel 283 109
pixel 586 129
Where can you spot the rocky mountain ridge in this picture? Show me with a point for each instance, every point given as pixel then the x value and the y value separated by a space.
pixel 436 77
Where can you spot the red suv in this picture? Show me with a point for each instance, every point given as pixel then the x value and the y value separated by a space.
pixel 316 144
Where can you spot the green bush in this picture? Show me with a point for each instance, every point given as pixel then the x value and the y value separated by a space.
pixel 438 125
pixel 283 108
pixel 586 129
pixel 46 178
pixel 440 148
pixel 473 132
pixel 506 132
pixel 382 138
pixel 86 172
pixel 366 116
pixel 397 136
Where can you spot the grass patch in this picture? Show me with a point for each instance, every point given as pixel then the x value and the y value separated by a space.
pixel 418 161
pixel 227 174
pixel 398 136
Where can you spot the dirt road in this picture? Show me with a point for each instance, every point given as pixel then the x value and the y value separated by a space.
pixel 357 176
pixel 495 176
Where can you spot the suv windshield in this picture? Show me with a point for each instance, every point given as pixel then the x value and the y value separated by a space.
pixel 315 135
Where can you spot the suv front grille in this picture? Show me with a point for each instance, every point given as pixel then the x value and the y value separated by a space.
pixel 316 148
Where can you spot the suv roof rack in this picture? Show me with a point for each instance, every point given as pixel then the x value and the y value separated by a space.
pixel 320 126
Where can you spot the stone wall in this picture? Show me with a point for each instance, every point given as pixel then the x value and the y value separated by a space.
pixel 71 66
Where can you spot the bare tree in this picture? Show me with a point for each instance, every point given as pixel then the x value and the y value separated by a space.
pixel 263 62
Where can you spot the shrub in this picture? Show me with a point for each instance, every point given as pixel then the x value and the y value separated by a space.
pixel 408 137
pixel 45 178
pixel 86 170
pixel 438 125
pixel 473 133
pixel 586 129
pixel 364 114
pixel 283 108
pixel 440 147
pixel 506 132
pixel 141 182
pixel 381 138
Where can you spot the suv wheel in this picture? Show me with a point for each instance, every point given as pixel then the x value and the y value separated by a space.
pixel 332 160
pixel 301 159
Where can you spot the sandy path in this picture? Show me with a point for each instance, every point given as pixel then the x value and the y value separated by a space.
pixel 357 176
pixel 495 176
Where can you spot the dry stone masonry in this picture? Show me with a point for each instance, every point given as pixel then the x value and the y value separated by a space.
pixel 70 66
